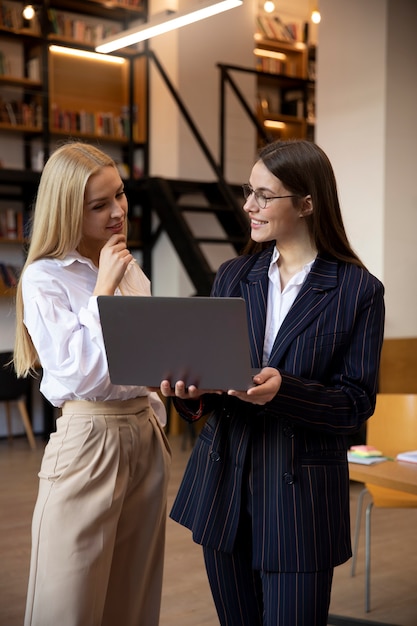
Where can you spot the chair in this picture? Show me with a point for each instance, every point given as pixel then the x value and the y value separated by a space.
pixel 13 389
pixel 391 429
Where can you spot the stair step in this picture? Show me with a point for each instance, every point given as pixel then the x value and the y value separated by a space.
pixel 204 221
pixel 193 208
pixel 220 240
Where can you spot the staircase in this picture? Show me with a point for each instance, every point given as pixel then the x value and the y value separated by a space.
pixel 204 221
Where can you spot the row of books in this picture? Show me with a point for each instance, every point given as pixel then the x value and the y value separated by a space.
pixel 89 32
pixel 33 67
pixel 270 65
pixel 4 64
pixel 12 224
pixel 272 27
pixel 100 123
pixel 280 102
pixel 19 113
pixel 11 17
pixel 129 3
pixel 9 276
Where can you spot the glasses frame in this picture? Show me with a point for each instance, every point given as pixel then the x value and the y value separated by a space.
pixel 260 199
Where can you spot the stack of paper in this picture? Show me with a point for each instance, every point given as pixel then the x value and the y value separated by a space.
pixel 409 457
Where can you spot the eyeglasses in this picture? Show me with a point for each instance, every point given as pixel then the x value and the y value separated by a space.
pixel 260 198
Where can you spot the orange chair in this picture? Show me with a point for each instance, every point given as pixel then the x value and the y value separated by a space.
pixel 391 429
pixel 13 389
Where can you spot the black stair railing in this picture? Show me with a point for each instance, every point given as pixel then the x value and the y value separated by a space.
pixel 223 185
pixel 226 79
pixel 164 197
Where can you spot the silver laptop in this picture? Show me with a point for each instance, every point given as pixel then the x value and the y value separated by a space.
pixel 200 340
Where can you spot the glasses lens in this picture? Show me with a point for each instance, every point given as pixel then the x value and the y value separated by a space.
pixel 246 191
pixel 260 200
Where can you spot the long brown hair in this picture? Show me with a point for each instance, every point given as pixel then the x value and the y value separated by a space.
pixel 304 169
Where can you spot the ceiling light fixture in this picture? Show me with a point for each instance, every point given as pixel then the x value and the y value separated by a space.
pixel 315 16
pixel 28 12
pixel 165 23
pixel 271 54
pixel 269 6
pixel 274 124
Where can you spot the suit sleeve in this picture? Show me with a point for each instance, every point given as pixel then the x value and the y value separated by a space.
pixel 347 399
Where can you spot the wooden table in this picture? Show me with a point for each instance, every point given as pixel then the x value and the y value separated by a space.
pixel 392 474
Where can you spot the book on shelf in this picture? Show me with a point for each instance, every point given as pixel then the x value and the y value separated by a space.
pixel 21 113
pixel 293 103
pixel 12 224
pixel 272 27
pixel 9 275
pixel 270 65
pixel 269 101
pixel 101 123
pixel 11 17
pixel 11 108
pixel 129 3
pixel 34 69
pixel 87 31
pixel 3 63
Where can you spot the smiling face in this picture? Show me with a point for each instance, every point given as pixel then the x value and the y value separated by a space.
pixel 105 211
pixel 280 219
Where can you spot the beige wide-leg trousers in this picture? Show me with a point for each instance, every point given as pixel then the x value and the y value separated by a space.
pixel 98 531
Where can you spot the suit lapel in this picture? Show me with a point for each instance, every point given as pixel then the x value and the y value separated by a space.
pixel 254 289
pixel 312 299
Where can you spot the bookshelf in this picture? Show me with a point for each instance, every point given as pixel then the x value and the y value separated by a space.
pixel 49 94
pixel 17 191
pixel 46 95
pixel 285 80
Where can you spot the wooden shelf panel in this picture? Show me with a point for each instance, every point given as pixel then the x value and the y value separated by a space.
pixel 9 292
pixel 10 241
pixel 15 81
pixel 91 136
pixel 19 128
pixel 107 9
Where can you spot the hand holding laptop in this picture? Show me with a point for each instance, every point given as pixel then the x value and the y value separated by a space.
pixel 266 385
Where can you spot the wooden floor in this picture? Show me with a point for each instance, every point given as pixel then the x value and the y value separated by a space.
pixel 186 597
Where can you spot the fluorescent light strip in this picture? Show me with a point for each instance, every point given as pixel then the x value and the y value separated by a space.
pixel 270 54
pixel 75 52
pixel 169 22
pixel 274 124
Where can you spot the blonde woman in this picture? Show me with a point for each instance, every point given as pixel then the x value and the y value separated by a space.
pixel 99 522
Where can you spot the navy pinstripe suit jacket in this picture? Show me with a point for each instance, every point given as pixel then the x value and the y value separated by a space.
pixel 328 352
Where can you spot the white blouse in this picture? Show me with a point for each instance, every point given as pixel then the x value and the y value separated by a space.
pixel 62 319
pixel 279 301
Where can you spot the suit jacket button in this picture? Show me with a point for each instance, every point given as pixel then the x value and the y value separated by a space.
pixel 288 432
pixel 214 456
pixel 288 478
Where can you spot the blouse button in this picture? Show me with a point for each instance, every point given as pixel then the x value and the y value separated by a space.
pixel 214 456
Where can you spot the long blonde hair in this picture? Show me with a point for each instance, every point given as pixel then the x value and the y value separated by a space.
pixel 57 224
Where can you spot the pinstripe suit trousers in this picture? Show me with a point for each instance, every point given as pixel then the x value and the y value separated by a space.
pixel 246 597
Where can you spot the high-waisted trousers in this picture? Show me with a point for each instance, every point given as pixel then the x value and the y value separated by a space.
pixel 98 530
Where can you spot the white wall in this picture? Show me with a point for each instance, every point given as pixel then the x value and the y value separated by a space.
pixel 350 106
pixel 190 57
pixel 366 94
pixel 400 249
